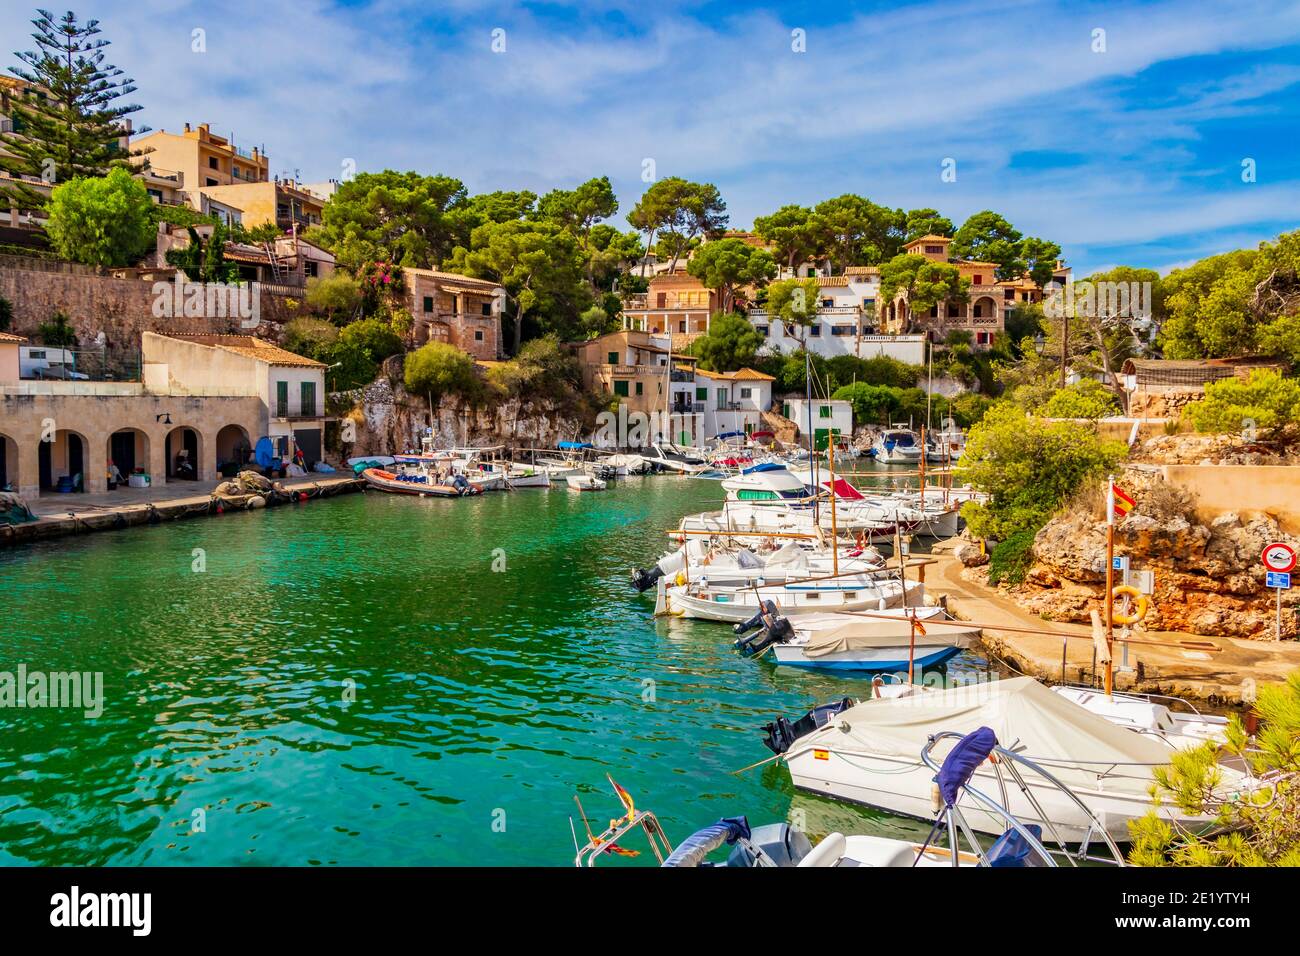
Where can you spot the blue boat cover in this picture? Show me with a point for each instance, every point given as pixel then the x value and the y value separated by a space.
pixel 971 751
pixel 1012 849
pixel 693 850
pixel 730 435
pixel 574 444
pixel 264 452
pixel 766 466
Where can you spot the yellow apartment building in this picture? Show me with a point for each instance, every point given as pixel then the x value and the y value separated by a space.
pixel 203 158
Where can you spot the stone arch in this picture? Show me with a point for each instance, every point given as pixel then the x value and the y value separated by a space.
pixel 183 438
pixel 128 449
pixel 10 474
pixel 233 446
pixel 66 456
pixel 985 307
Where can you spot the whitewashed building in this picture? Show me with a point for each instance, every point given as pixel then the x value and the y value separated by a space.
pixel 829 416
pixel 845 324
pixel 733 401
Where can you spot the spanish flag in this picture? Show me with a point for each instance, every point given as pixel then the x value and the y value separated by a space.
pixel 1121 502
pixel 623 795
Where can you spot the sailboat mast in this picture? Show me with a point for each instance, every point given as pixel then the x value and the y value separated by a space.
pixel 812 436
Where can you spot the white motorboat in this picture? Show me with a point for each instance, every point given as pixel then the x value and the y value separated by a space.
pixel 866 754
pixel 704 600
pixel 584 482
pixel 765 562
pixel 671 458
pixel 1147 715
pixel 767 482
pixel 945 446
pixel 885 642
pixel 898 446
pixel 623 465
pixel 954 797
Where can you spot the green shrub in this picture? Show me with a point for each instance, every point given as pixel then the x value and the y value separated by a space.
pixel 1028 467
pixel 437 370
pixel 1010 560
pixel 1086 398
pixel 335 297
pixel 57 333
pixel 101 221
pixel 6 314
pixel 1265 402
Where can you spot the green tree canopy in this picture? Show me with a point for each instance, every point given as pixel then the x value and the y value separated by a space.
pixel 101 221
pixel 925 222
pixel 72 128
pixel 1028 467
pixel 728 264
pixel 730 344
pixel 539 264
pixel 1086 398
pixel 855 231
pixel 978 235
pixel 793 301
pixel 679 211
pixel 406 218
pixel 794 232
pixel 925 281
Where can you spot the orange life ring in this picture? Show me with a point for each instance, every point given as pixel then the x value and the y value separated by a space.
pixel 1140 608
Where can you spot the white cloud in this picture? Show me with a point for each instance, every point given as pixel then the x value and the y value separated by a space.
pixel 872 106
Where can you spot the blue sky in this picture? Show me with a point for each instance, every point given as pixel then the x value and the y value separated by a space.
pixel 1132 155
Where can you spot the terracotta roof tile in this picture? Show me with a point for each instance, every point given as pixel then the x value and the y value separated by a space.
pixel 9 337
pixel 249 347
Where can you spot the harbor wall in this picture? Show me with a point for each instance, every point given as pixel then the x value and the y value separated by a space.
pixel 1221 489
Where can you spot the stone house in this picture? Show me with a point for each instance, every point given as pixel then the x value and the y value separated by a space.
pixel 456 309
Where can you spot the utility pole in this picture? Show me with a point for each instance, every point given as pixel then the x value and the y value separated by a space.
pixel 1065 343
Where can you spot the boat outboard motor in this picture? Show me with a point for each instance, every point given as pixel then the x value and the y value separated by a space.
pixel 773 844
pixel 644 580
pixel 778 631
pixel 765 607
pixel 460 484
pixel 693 850
pixel 782 733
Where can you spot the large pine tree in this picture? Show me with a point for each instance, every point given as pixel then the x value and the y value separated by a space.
pixel 68 123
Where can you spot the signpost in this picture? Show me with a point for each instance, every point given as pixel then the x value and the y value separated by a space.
pixel 1278 559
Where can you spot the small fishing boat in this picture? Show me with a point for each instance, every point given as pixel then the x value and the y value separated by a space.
pixel 584 482
pixel 890 641
pixel 762 562
pixel 1150 714
pixel 527 476
pixel 408 483
pixel 855 591
pixel 945 446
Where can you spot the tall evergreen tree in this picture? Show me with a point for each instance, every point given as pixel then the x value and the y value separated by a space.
pixel 68 123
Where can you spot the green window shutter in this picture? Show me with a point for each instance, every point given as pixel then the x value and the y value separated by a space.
pixel 620 388
pixel 613 358
pixel 701 394
pixel 785 409
pixel 825 411
pixel 281 399
pixel 308 398
pixel 639 388
pixel 722 397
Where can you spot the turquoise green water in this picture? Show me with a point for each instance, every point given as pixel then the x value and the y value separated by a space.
pixel 484 700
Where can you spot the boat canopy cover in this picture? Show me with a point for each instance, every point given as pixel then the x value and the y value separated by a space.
pixel 264 452
pixel 788 556
pixel 844 490
pixel 962 761
pixel 862 634
pixel 697 846
pixel 1072 743
pixel 747 559
pixel 730 435
pixel 574 444
pixel 766 466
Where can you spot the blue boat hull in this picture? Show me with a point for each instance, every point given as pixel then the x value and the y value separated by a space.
pixel 874 666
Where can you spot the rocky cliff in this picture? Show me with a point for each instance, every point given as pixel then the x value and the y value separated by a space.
pixel 387 419
pixel 1208 577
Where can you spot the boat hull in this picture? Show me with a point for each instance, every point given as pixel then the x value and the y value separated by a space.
pixel 389 482
pixel 892 660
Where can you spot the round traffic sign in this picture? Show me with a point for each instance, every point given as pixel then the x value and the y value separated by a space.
pixel 1279 557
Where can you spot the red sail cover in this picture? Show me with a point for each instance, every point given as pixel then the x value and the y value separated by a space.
pixel 844 490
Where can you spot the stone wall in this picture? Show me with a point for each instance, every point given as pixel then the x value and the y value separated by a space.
pixel 118 309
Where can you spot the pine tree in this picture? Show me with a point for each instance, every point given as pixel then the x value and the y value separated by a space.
pixel 67 124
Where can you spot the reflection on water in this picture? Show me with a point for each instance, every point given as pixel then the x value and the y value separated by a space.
pixel 349 682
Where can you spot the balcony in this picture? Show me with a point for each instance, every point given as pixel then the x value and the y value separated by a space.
pixel 687 408
pixel 687 377
pixel 637 300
